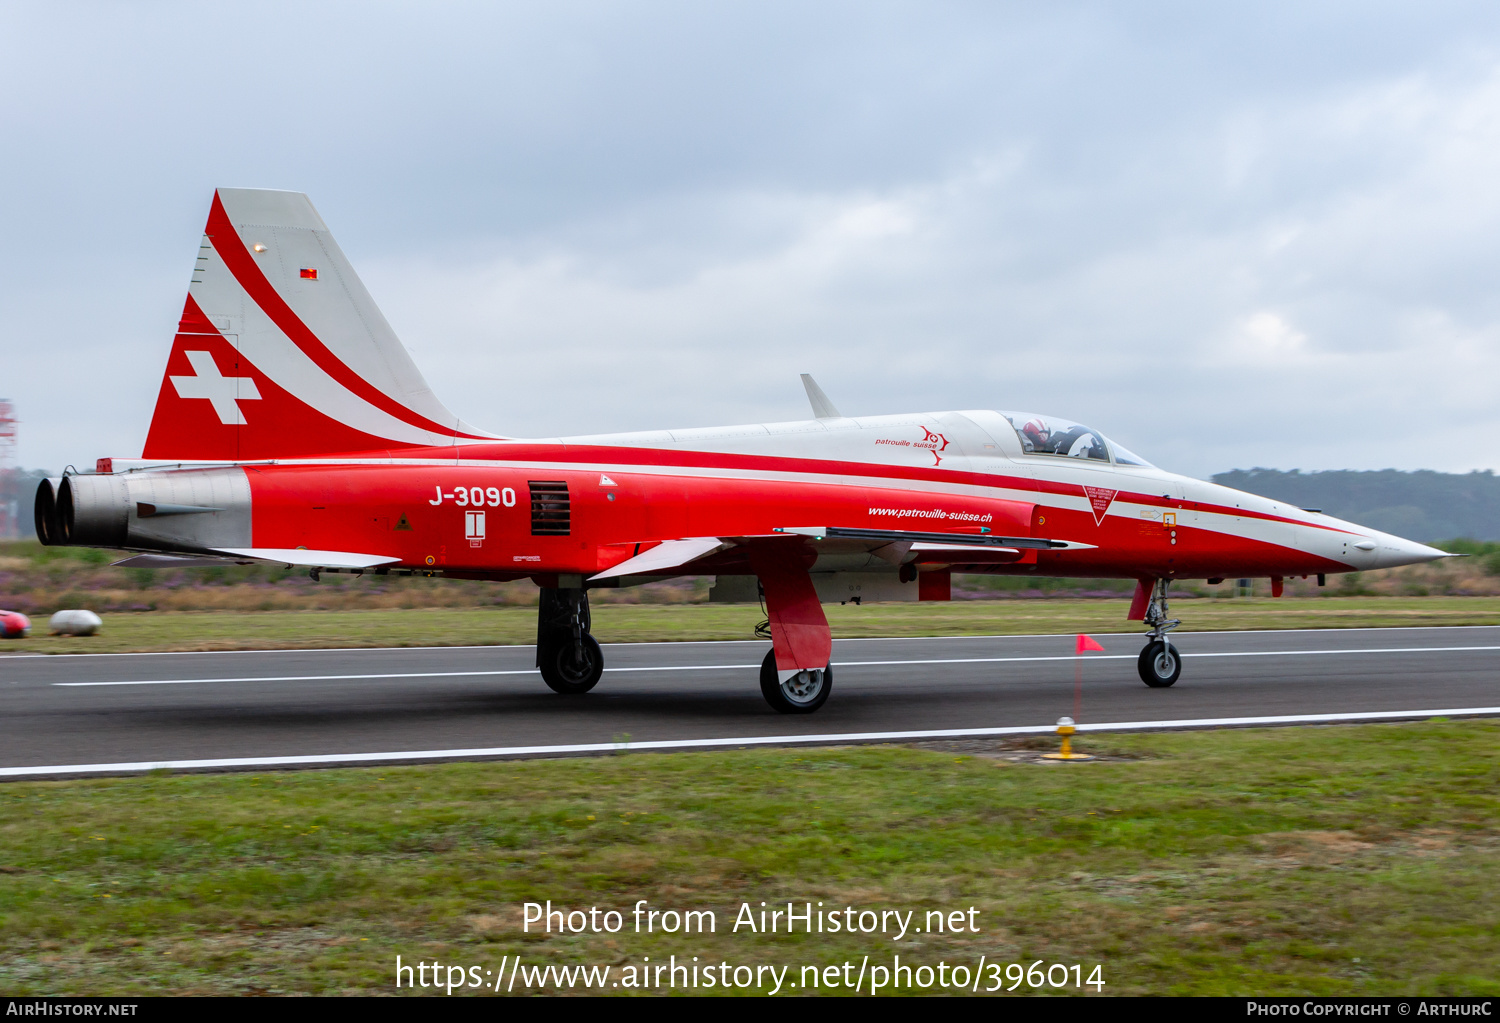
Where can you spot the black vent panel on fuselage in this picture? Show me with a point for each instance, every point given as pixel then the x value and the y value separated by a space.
pixel 551 508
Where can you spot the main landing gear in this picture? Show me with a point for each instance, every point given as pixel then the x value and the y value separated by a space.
pixel 803 693
pixel 795 625
pixel 571 661
pixel 1159 663
pixel 569 658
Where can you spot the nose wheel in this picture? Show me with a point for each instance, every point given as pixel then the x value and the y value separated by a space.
pixel 803 693
pixel 1160 663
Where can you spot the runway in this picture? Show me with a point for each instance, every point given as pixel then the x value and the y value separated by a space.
pixel 113 713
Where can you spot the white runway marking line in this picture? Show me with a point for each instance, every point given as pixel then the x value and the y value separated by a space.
pixel 737 667
pixel 403 674
pixel 323 650
pixel 750 740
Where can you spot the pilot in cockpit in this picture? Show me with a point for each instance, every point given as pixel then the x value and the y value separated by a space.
pixel 1035 437
pixel 1077 442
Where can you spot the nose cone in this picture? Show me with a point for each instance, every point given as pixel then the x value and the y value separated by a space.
pixel 1360 548
pixel 1392 552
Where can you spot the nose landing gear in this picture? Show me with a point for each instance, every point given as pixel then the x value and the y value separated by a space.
pixel 1159 663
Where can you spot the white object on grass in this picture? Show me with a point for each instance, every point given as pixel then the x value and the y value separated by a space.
pixel 74 623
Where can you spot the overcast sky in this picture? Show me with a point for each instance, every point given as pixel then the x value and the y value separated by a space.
pixel 1228 235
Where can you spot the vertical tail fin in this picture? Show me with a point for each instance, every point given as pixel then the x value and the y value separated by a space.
pixel 281 352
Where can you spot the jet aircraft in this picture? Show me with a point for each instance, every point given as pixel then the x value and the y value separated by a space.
pixel 292 428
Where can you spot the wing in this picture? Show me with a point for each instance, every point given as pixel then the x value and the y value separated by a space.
pixel 666 555
pixel 730 554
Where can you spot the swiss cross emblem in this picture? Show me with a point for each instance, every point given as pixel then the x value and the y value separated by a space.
pixel 224 393
pixel 1100 498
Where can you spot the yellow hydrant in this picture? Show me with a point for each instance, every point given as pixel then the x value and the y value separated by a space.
pixel 1066 729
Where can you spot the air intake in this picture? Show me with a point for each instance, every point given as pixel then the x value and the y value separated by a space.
pixel 551 509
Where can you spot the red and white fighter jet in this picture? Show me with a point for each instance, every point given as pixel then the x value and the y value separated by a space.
pixel 292 428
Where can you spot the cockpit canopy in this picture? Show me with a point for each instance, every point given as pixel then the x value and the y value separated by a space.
pixel 1049 435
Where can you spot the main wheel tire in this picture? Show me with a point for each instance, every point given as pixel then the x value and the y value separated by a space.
pixel 567 675
pixel 1159 664
pixel 803 693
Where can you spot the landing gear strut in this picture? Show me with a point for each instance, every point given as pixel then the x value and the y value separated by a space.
pixel 1159 663
pixel 569 658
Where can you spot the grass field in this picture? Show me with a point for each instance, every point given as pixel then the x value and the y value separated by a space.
pixel 265 630
pixel 1338 860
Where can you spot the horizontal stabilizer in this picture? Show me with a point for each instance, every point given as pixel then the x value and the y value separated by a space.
pixel 668 554
pixel 307 559
pixel 950 539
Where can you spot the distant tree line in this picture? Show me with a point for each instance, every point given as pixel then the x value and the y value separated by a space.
pixel 1422 505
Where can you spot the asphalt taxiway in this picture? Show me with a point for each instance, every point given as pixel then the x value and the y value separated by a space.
pixel 111 713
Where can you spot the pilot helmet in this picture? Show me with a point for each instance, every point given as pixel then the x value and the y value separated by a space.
pixel 1036 432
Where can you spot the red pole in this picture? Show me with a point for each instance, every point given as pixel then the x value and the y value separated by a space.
pixel 1078 688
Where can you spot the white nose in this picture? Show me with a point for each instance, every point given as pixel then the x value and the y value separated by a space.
pixel 1392 551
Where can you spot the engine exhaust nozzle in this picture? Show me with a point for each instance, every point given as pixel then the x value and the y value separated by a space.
pixel 93 511
pixel 44 513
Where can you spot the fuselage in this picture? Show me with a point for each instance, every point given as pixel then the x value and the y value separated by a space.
pixel 578 506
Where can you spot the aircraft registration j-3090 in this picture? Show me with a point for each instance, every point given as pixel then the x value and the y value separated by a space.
pixel 292 428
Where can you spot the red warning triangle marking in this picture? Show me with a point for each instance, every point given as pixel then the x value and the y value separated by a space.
pixel 1100 498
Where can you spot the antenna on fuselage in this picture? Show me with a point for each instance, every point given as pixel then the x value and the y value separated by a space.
pixel 821 406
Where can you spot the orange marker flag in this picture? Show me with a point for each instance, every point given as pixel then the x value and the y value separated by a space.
pixel 1087 643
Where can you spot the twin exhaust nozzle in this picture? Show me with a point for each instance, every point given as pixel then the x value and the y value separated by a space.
pixel 195 510
pixel 111 511
pixel 90 511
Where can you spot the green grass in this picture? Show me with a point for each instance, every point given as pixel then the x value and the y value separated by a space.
pixel 1319 861
pixel 261 630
